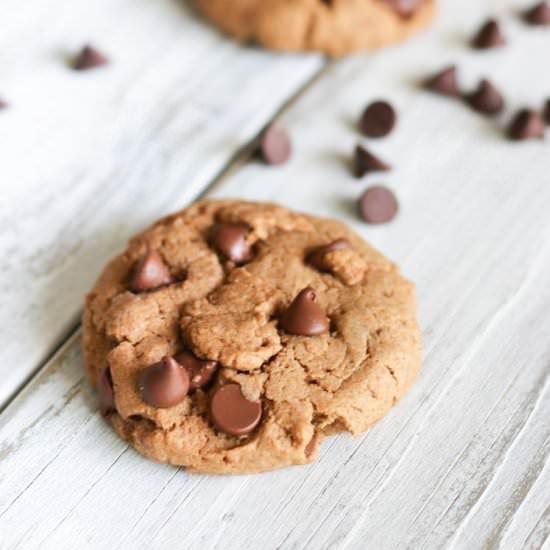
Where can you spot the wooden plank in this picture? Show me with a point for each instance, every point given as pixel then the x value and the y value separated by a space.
pixel 462 462
pixel 88 158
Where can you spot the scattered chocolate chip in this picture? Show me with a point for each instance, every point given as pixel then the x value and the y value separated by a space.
pixel 405 8
pixel 366 162
pixel 378 205
pixel 317 257
pixel 539 14
pixel 547 112
pixel 106 392
pixel 200 371
pixel 89 58
pixel 150 273
pixel 3 104
pixel 304 317
pixel 229 239
pixel 526 124
pixel 444 82
pixel 275 145
pixel 232 413
pixel 489 36
pixel 378 119
pixel 164 384
pixel 486 99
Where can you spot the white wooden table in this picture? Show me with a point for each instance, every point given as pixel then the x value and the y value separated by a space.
pixel 87 159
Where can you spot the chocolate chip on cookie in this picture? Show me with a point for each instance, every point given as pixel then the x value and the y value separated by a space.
pixel 405 8
pixel 378 119
pixel 317 257
pixel 164 384
pixel 275 145
pixel 89 58
pixel 378 205
pixel 444 82
pixel 304 317
pixel 525 125
pixel 366 162
pixel 200 371
pixel 229 239
pixel 150 273
pixel 105 392
pixel 486 99
pixel 539 14
pixel 232 413
pixel 489 36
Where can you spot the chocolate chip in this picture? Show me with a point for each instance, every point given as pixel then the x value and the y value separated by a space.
pixel 317 257
pixel 547 112
pixel 486 99
pixel 232 413
pixel 150 273
pixel 539 14
pixel 105 392
pixel 378 119
pixel 304 317
pixel 526 124
pixel 405 8
pixel 3 104
pixel 489 36
pixel 366 162
pixel 275 145
pixel 229 239
pixel 378 205
pixel 200 371
pixel 164 384
pixel 89 58
pixel 444 82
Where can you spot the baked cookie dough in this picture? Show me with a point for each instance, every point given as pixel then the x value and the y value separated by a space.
pixel 232 337
pixel 336 27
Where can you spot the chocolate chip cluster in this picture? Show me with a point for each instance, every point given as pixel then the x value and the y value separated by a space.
pixel 167 383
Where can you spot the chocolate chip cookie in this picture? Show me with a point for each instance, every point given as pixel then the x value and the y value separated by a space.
pixel 233 337
pixel 336 27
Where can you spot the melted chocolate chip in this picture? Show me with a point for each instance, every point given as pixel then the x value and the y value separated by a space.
pixel 89 58
pixel 378 119
pixel 444 82
pixel 200 371
pixel 165 384
pixel 304 317
pixel 229 239
pixel 486 99
pixel 106 392
pixel 317 257
pixel 366 162
pixel 232 413
pixel 150 273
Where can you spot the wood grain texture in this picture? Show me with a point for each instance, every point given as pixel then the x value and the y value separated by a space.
pixel 89 158
pixel 463 461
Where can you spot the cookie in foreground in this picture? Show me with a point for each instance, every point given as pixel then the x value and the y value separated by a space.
pixel 336 27
pixel 232 337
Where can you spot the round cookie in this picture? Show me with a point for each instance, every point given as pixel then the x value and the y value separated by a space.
pixel 336 27
pixel 232 337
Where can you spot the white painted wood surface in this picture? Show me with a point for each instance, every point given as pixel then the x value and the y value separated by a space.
pixel 463 461
pixel 89 158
